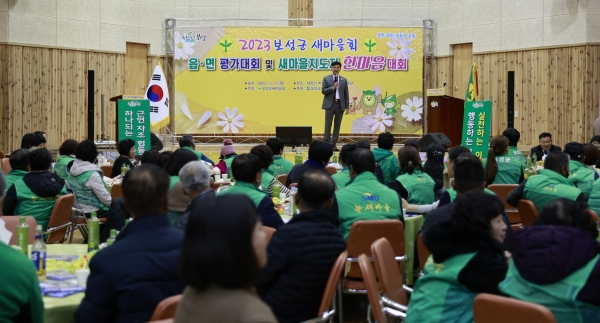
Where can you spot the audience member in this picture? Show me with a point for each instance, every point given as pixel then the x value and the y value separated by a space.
pixel 126 154
pixel 514 136
pixel 413 184
pixel 268 181
pixel 579 175
pixel 66 154
pixel 545 146
pixel 434 166
pixel 247 171
pixel 385 158
pixel 227 234
pixel 319 153
pixel 591 156
pixel 38 140
pixel 301 253
pixel 555 263
pixel 150 157
pixel 227 156
pixel 364 198
pixel 86 180
pixel 19 167
pixel 178 202
pixel 500 167
pixel 20 293
pixel 467 258
pixel 364 144
pixel 412 143
pixel 280 166
pixel 342 178
pixel 195 183
pixel 26 141
pixel 128 279
pixel 596 141
pixel 187 142
pixel 550 184
pixel 36 193
pixel 163 158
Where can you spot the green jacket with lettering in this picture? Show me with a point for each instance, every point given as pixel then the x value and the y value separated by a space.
pixel 594 201
pixel 280 166
pixel 388 162
pixel 342 178
pixel 84 194
pixel 248 189
pixel 516 153
pixel 199 154
pixel 549 186
pixel 438 296
pixel 452 192
pixel 419 186
pixel 60 167
pixel 581 176
pixel 364 198
pixel 13 176
pixel 559 297
pixel 510 170
pixel 29 203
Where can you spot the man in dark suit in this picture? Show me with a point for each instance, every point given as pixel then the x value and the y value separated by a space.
pixel 545 146
pixel 335 100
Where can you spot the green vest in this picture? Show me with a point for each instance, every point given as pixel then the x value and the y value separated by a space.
pixel 342 178
pixel 266 181
pixel 389 164
pixel 594 201
pixel 581 176
pixel 438 296
pixel 419 186
pixel 84 194
pixel 549 186
pixel 172 181
pixel 199 154
pixel 452 192
pixel 559 297
pixel 29 203
pixel 247 189
pixel 364 198
pixel 514 152
pixel 13 176
pixel 280 166
pixel 60 167
pixel 228 162
pixel 509 170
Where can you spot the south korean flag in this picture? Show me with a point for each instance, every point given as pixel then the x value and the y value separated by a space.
pixel 158 95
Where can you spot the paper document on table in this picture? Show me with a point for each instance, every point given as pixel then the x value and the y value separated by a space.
pixel 5 235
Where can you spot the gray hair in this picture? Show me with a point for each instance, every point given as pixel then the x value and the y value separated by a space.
pixel 194 176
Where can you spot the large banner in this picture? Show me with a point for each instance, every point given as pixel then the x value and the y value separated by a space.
pixel 250 80
pixel 476 127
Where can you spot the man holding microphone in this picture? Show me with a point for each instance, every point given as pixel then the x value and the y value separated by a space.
pixel 335 100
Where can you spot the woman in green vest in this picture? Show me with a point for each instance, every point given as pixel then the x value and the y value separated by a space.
pixel 18 167
pixel 227 156
pixel 579 174
pixel 178 202
pixel 500 168
pixel 555 263
pixel 434 166
pixel 66 153
pixel 466 259
pixel 342 178
pixel 413 184
pixel 268 181
pixel 127 151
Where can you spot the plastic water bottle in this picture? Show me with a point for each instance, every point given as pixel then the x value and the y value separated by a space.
pixel 23 236
pixel 93 225
pixel 113 236
pixel 293 206
pixel 38 254
pixel 222 188
pixel 335 158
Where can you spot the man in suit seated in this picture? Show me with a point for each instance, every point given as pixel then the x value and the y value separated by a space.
pixel 545 146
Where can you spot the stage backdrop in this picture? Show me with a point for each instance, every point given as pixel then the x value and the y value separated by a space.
pixel 249 80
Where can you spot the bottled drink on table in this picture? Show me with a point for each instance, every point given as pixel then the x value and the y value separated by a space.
pixel 298 158
pixel 276 190
pixel 293 206
pixel 38 254
pixel 335 159
pixel 93 225
pixel 23 235
pixel 113 236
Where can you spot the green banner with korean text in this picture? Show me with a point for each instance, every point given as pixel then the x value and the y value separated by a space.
pixel 476 127
pixel 133 117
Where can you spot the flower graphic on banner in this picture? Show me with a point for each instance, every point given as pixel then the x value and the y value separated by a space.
pixel 183 49
pixel 204 118
pixel 230 120
pixel 399 48
pixel 379 119
pixel 186 110
pixel 413 109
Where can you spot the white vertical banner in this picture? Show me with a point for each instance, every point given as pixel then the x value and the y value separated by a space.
pixel 158 95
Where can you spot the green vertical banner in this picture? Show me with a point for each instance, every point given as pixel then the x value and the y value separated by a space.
pixel 134 123
pixel 476 127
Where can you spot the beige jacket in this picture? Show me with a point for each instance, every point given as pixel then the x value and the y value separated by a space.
pixel 222 305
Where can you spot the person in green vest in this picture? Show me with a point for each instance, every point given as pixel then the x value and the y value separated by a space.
pixel 227 156
pixel 579 174
pixel 514 136
pixel 247 171
pixel 467 258
pixel 36 193
pixel 280 166
pixel 178 202
pixel 434 166
pixel 87 182
pixel 127 151
pixel 187 142
pixel 268 181
pixel 556 263
pixel 364 198
pixel 342 178
pixel 413 184
pixel 550 184
pixel 19 167
pixel 385 158
pixel 66 153
pixel 501 168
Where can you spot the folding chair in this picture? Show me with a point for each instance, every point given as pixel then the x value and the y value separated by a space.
pixel 488 308
pixel 327 308
pixel 378 311
pixel 60 220
pixel 502 191
pixel 12 221
pixel 390 278
pixel 166 308
pixel 116 191
pixel 424 253
pixel 331 170
pixel 107 170
pixel 282 179
pixel 528 212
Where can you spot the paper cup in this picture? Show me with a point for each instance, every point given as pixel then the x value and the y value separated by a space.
pixel 217 177
pixel 282 197
pixel 82 276
pixel 224 176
